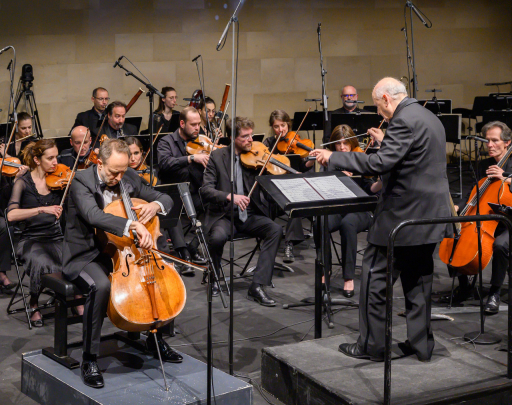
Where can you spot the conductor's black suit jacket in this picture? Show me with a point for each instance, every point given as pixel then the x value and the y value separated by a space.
pixel 85 213
pixel 412 163
pixel 217 186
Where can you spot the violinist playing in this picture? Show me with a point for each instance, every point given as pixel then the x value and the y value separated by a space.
pixel 31 201
pixel 83 261
pixel 349 225
pixel 69 156
pixel 207 108
pixel 499 136
pixel 24 132
pixel 280 123
pixel 251 214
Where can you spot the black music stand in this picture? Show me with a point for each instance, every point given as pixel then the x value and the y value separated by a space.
pixel 320 209
pixel 135 121
pixel 360 123
pixel 503 116
pixel 437 105
pixel 314 121
pixel 452 124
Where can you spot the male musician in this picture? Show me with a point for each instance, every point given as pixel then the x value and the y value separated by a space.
pixel 68 156
pixel 348 98
pixel 499 136
pixel 92 118
pixel 412 164
pixel 83 263
pixel 177 167
pixel 251 214
pixel 116 125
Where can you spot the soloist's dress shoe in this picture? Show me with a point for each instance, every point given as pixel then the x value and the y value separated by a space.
pixel 493 304
pixel 353 350
pixel 288 253
pixel 91 374
pixel 258 294
pixel 167 352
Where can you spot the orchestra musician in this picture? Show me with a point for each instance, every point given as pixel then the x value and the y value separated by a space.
pixel 40 245
pixel 175 166
pixel 280 123
pixel 412 164
pixel 24 130
pixel 177 238
pixel 115 125
pixel 499 136
pixel 165 110
pixel 348 96
pixel 251 214
pixel 207 108
pixel 349 225
pixel 69 156
pixel 83 261
pixel 92 118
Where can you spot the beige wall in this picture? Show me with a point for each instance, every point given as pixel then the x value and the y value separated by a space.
pixel 72 45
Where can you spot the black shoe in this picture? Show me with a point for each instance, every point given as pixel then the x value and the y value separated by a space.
pixel 353 350
pixel 185 270
pixel 408 350
pixel 39 323
pixel 493 304
pixel 8 289
pixel 215 290
pixel 288 253
pixel 167 352
pixel 348 293
pixel 459 295
pixel 198 259
pixel 91 374
pixel 258 294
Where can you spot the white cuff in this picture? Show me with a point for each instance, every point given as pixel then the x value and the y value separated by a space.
pixel 163 211
pixel 127 228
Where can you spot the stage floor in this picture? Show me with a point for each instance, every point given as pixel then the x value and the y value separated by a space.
pixel 255 326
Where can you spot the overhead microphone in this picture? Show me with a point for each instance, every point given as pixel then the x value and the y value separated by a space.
pixel 187 202
pixel 196 58
pixel 117 61
pixel 319 27
pixel 5 49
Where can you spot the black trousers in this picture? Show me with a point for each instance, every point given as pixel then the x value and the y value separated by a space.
pixel 415 265
pixel 294 231
pixel 500 256
pixel 255 225
pixel 5 247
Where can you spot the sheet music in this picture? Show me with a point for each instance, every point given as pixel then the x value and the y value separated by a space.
pixel 330 187
pixel 297 190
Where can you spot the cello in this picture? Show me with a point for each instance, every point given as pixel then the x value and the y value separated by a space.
pixel 461 251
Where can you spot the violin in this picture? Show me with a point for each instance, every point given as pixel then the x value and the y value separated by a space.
pixel 260 157
pixel 202 144
pixel 58 179
pixel 293 143
pixel 146 291
pixel 93 156
pixel 10 166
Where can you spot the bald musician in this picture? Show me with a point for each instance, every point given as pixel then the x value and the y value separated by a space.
pixel 348 99
pixel 69 156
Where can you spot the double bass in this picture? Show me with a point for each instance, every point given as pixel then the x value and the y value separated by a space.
pixel 461 251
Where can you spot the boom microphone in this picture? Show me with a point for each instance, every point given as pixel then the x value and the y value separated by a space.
pixel 187 202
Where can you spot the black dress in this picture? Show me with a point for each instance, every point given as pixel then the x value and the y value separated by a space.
pixel 40 245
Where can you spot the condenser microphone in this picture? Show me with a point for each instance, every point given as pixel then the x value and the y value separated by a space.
pixel 196 58
pixel 117 61
pixel 187 202
pixel 5 49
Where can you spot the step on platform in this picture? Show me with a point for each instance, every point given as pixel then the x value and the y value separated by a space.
pixel 131 378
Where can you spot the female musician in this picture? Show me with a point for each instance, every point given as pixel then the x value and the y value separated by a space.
pixel 206 108
pixel 24 130
pixel 165 110
pixel 349 225
pixel 40 246
pixel 280 122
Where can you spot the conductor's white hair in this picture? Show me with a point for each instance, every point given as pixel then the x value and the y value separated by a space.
pixel 392 87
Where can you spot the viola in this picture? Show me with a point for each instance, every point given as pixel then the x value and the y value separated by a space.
pixel 10 166
pixel 58 179
pixel 146 292
pixel 461 251
pixel 260 155
pixel 202 144
pixel 293 143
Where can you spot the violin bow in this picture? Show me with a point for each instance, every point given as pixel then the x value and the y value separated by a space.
pixel 298 129
pixel 265 165
pixel 178 260
pixel 7 146
pixel 149 150
pixel 74 169
pixel 371 142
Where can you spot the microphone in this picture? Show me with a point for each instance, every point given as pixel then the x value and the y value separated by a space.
pixel 4 49
pixel 196 58
pixel 478 138
pixel 312 99
pixel 319 28
pixel 419 15
pixel 187 202
pixel 117 61
pixel 506 174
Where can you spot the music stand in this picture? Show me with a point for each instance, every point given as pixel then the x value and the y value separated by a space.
pixel 360 123
pixel 314 121
pixel 62 142
pixel 503 116
pixel 452 124
pixel 135 121
pixel 438 106
pixel 320 209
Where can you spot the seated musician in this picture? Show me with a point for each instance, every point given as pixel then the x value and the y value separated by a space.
pixel 68 156
pixel 175 166
pixel 83 261
pixel 348 96
pixel 165 110
pixel 115 125
pixel 349 225
pixel 251 214
pixel 21 137
pixel 207 109
pixel 176 234
pixel 280 122
pixel 92 118
pixel 40 245
pixel 499 136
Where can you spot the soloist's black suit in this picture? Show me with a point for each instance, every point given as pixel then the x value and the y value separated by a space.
pixel 412 164
pixel 83 262
pixel 216 187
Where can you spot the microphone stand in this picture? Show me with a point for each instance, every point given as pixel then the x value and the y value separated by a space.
pixel 234 77
pixel 152 90
pixel 323 72
pixel 201 86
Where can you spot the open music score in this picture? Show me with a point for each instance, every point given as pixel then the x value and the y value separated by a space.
pixel 313 189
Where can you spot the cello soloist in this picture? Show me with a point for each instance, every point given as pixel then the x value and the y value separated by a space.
pixel 83 261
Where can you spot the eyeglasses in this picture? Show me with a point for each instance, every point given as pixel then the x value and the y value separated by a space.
pixel 102 98
pixel 348 95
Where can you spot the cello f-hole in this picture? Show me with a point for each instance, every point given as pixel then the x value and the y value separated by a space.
pixel 127 265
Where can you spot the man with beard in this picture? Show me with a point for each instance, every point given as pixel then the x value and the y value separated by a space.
pixel 115 126
pixel 348 98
